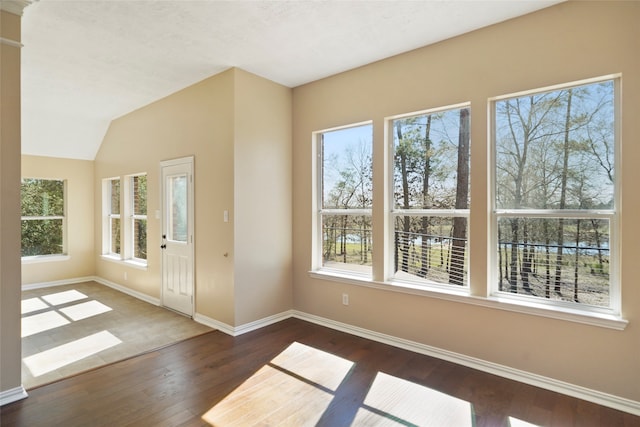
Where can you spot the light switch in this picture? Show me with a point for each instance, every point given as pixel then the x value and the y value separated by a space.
pixel 226 216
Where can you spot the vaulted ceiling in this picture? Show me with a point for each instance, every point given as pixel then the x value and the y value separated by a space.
pixel 87 62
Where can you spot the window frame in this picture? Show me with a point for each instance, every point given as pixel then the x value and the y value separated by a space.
pixel 127 218
pixel 321 212
pixel 64 255
pixel 132 217
pixel 612 215
pixel 393 213
pixel 108 216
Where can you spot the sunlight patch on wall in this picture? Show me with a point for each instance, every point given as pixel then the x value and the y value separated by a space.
pixel 55 358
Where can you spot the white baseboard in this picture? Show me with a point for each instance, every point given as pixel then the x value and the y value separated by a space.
pixel 125 290
pixel 58 283
pixel 242 329
pixel 600 398
pixel 604 399
pixel 13 395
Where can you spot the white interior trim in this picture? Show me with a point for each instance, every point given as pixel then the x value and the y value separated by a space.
pixel 72 281
pixel 462 295
pixel 12 395
pixel 15 7
pixel 125 290
pixel 11 43
pixel 579 392
pixel 598 397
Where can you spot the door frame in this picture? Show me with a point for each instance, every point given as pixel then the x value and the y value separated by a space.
pixel 190 161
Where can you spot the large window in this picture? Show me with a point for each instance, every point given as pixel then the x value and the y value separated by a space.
pixel 43 217
pixel 431 196
pixel 125 218
pixel 552 203
pixel 555 195
pixel 345 199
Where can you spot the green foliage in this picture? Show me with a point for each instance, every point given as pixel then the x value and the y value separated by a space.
pixel 42 202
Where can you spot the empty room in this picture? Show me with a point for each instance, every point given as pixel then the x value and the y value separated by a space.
pixel 355 212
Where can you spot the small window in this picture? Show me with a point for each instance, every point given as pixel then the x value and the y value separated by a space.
pixel 554 195
pixel 430 212
pixel 139 216
pixel 112 229
pixel 43 217
pixel 345 199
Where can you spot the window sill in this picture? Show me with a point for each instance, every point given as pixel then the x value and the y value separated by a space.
pixel 128 262
pixel 44 258
pixel 464 296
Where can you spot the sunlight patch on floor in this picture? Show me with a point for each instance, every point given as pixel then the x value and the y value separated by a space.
pixel 41 322
pixel 295 389
pixel 85 310
pixel 64 297
pixel 32 304
pixel 316 366
pixel 395 401
pixel 66 354
pixel 514 422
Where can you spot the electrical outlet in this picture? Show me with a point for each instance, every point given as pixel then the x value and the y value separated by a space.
pixel 345 299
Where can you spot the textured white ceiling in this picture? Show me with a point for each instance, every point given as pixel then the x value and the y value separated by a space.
pixel 87 62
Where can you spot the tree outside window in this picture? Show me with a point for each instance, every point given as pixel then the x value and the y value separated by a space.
pixel 346 198
pixel 431 196
pixel 43 217
pixel 555 193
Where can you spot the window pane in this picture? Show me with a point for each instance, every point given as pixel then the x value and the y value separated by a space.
pixel 555 258
pixel 42 197
pixel 139 192
pixel 115 196
pixel 115 235
pixel 431 249
pixel 431 161
pixel 555 150
pixel 177 226
pixel 140 238
pixel 346 168
pixel 42 237
pixel 346 242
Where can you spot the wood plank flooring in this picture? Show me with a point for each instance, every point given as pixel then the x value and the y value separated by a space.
pixel 295 373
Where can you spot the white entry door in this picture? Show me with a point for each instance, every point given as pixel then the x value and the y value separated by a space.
pixel 177 235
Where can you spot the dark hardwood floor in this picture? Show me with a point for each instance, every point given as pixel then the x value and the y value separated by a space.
pixel 296 373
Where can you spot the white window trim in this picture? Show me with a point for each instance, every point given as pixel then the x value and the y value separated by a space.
pixel 610 318
pixel 107 216
pixel 126 217
pixel 535 304
pixel 317 238
pixel 392 213
pixel 463 296
pixel 127 248
pixel 64 256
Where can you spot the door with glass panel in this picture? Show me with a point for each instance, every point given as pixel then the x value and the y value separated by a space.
pixel 177 235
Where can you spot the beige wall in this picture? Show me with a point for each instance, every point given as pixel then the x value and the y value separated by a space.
pixel 78 175
pixel 564 43
pixel 202 120
pixel 10 204
pixel 262 178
